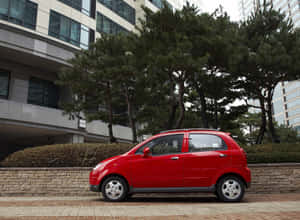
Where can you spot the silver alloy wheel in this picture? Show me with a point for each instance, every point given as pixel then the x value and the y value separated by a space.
pixel 114 189
pixel 231 189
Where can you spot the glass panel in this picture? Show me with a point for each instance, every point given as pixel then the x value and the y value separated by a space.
pixel 54 24
pixel 279 119
pixel 35 92
pixel 121 8
pixel 170 144
pixel 4 7
pixel 68 30
pixel 65 26
pixel 75 33
pixel 205 142
pixel 294 112
pixel 278 106
pixel 86 7
pixel 293 103
pixel 16 13
pixel 42 92
pixel 292 85
pixel 4 84
pixel 105 25
pixel 30 15
pixel 84 37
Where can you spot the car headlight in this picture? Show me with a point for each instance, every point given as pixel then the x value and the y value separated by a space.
pixel 98 165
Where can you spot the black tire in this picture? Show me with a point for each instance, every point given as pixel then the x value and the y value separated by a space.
pixel 114 189
pixel 230 189
pixel 129 196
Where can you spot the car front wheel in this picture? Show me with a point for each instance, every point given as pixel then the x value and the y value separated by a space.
pixel 231 189
pixel 114 189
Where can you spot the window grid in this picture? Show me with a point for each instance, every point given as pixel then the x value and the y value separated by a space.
pixel 107 26
pixel 83 6
pixel 68 30
pixel 43 92
pixel 121 8
pixel 20 12
pixel 4 83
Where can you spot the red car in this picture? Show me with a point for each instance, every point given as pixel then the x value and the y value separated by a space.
pixel 187 160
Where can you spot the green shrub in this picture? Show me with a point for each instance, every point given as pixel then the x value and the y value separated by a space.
pixel 269 148
pixel 273 153
pixel 88 155
pixel 275 157
pixel 64 155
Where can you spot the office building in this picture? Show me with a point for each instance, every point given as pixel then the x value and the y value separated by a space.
pixel 290 7
pixel 37 37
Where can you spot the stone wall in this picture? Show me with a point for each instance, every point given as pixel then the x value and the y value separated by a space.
pixel 44 181
pixel 266 178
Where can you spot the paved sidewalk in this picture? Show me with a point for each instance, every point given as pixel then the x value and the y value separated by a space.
pixel 262 206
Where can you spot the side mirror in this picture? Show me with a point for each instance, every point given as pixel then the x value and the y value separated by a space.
pixel 146 152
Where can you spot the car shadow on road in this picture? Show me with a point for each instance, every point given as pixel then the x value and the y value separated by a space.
pixel 167 200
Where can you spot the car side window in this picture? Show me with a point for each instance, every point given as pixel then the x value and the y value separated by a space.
pixel 170 144
pixel 206 142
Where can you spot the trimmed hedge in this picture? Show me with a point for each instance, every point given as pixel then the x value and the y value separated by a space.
pixel 88 155
pixel 273 153
pixel 64 155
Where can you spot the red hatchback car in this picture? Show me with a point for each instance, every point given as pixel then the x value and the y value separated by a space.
pixel 187 160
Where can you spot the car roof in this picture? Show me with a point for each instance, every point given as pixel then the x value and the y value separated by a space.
pixel 188 129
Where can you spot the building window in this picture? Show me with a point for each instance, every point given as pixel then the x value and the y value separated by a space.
pixel 84 6
pixel 107 26
pixel 121 8
pixel 160 3
pixel 68 30
pixel 4 83
pixel 21 12
pixel 43 92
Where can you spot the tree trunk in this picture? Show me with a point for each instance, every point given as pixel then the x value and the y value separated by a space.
pixel 112 139
pixel 173 108
pixel 216 114
pixel 262 128
pixel 203 107
pixel 130 116
pixel 271 128
pixel 181 106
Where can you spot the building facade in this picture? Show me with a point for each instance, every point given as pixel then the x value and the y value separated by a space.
pixel 286 104
pixel 286 98
pixel 37 38
pixel 290 7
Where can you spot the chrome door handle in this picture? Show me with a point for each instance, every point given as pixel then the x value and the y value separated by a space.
pixel 174 158
pixel 222 155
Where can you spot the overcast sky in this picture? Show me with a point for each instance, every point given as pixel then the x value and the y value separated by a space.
pixel 231 6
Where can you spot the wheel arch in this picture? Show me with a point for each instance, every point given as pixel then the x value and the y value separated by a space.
pixel 232 174
pixel 114 174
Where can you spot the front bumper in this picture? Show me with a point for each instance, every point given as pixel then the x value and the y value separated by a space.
pixel 94 188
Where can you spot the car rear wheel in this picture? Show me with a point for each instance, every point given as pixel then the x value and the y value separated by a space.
pixel 114 189
pixel 231 189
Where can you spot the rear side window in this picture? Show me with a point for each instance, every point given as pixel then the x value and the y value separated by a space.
pixel 170 144
pixel 205 142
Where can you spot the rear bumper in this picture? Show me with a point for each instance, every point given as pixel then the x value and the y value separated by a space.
pixel 94 188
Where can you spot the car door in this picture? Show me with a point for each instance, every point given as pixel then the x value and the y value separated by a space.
pixel 207 153
pixel 163 168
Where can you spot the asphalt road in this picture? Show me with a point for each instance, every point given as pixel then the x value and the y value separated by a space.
pixel 254 206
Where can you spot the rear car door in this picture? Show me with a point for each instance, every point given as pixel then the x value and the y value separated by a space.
pixel 207 153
